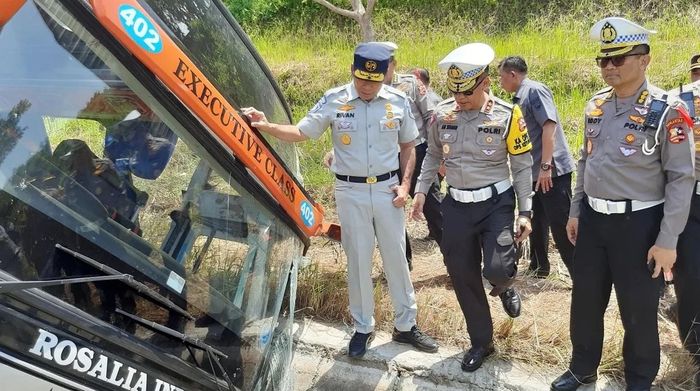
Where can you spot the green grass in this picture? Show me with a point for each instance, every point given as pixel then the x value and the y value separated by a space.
pixel 311 56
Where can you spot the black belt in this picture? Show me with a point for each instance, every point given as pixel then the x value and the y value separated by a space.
pixel 367 179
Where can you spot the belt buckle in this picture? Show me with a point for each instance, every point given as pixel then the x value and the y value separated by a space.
pixel 371 180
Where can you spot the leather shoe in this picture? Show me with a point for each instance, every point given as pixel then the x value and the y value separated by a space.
pixel 359 343
pixel 417 338
pixel 570 381
pixel 475 357
pixel 511 302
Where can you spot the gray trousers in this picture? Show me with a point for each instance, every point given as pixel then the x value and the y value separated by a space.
pixel 365 212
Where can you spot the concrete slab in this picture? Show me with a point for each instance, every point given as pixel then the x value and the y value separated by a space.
pixel 321 363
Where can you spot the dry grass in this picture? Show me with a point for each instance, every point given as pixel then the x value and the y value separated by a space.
pixel 539 337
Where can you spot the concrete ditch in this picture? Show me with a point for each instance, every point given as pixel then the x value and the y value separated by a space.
pixel 321 363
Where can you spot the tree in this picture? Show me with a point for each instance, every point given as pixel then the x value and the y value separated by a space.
pixel 361 14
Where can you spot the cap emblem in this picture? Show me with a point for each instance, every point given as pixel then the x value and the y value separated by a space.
pixel 371 66
pixel 608 33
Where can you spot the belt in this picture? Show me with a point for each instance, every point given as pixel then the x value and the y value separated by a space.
pixel 618 207
pixel 367 179
pixel 478 195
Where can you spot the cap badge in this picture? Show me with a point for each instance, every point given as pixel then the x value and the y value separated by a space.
pixel 608 33
pixel 371 66
pixel 629 139
pixel 445 149
pixel 454 72
pixel 345 139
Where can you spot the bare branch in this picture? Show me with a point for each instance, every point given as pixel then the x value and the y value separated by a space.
pixel 370 6
pixel 359 7
pixel 355 4
pixel 337 10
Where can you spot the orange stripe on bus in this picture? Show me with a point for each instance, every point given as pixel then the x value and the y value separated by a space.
pixel 189 84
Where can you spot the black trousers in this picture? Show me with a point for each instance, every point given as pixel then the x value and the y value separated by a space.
pixel 686 277
pixel 469 230
pixel 612 250
pixel 431 208
pixel 551 210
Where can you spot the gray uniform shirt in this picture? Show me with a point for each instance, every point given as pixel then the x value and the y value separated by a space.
pixel 365 135
pixel 421 106
pixel 477 147
pixel 695 88
pixel 613 165
pixel 537 103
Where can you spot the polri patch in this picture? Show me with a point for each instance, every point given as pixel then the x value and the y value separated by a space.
pixel 676 135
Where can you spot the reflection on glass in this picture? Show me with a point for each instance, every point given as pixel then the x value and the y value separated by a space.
pixel 90 170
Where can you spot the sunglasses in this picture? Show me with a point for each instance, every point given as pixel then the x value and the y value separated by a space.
pixel 617 61
pixel 470 92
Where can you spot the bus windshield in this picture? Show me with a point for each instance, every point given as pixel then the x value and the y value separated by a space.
pixel 93 167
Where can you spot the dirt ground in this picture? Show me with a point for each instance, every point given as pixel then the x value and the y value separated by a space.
pixel 540 336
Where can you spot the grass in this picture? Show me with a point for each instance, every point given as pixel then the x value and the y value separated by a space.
pixel 309 57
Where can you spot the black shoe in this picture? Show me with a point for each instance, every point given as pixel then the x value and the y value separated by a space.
pixel 511 302
pixel 475 357
pixel 417 338
pixel 359 343
pixel 570 381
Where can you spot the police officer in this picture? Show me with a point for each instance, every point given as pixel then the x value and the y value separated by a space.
pixel 423 75
pixel 695 68
pixel 369 122
pixel 552 166
pixel 686 271
pixel 633 188
pixel 477 135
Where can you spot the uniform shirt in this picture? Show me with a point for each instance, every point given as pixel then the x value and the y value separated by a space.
pixel 421 106
pixel 537 104
pixel 433 98
pixel 477 146
pixel 365 135
pixel 613 165
pixel 695 87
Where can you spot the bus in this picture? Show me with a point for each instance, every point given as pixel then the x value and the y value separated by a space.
pixel 149 236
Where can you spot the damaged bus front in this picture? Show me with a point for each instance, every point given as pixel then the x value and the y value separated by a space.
pixel 148 236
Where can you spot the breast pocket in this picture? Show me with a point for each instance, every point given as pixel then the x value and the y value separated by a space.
pixel 390 125
pixel 490 146
pixel 593 142
pixel 630 146
pixel 344 125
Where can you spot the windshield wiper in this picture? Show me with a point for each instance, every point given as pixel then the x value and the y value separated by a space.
pixel 10 286
pixel 214 355
pixel 128 280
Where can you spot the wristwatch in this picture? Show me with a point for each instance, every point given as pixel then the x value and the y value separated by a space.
pixel 545 166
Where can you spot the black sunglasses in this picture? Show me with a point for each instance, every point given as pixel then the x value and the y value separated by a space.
pixel 617 61
pixel 471 92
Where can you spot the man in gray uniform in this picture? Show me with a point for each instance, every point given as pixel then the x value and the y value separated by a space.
pixel 552 166
pixel 369 122
pixel 686 271
pixel 482 141
pixel 695 68
pixel 423 75
pixel 422 109
pixel 633 188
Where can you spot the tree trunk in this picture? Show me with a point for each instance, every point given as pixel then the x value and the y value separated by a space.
pixel 366 27
pixel 360 14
